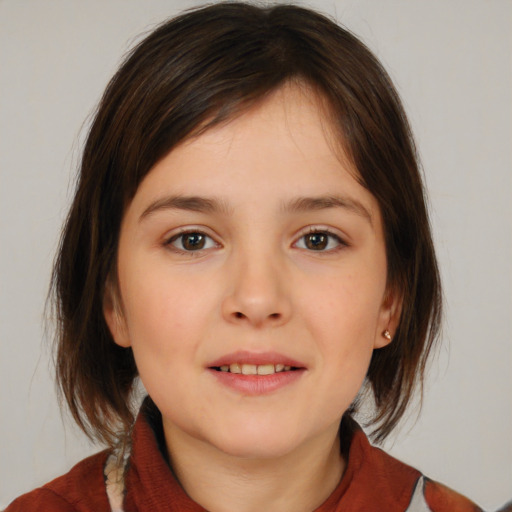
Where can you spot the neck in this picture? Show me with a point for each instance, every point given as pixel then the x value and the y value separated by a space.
pixel 301 480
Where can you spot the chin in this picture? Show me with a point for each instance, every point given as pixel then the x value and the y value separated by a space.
pixel 251 441
pixel 260 449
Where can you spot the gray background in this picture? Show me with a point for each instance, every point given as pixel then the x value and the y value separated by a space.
pixel 452 63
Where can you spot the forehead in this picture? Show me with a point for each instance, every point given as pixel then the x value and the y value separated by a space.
pixel 281 148
pixel 295 109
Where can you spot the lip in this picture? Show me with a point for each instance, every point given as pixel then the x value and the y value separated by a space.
pixel 254 385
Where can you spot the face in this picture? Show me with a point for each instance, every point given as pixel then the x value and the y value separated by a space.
pixel 252 282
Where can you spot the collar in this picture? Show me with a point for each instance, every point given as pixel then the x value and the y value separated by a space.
pixel 372 480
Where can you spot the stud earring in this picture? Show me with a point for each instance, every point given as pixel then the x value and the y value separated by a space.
pixel 387 335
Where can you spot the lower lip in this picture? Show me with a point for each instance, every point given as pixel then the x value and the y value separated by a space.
pixel 255 385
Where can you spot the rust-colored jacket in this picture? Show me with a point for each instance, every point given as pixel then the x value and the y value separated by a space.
pixel 373 481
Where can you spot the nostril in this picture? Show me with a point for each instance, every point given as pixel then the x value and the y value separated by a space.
pixel 242 316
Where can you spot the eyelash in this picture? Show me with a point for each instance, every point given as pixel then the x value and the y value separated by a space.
pixel 174 238
pixel 312 231
pixel 323 231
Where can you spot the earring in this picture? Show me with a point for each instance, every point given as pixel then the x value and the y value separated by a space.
pixel 387 335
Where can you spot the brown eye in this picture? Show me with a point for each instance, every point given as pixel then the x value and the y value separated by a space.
pixel 320 241
pixel 191 241
pixel 316 241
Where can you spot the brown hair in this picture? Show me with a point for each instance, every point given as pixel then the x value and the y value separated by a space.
pixel 191 73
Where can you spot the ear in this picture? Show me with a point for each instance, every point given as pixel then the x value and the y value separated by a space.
pixel 114 316
pixel 389 317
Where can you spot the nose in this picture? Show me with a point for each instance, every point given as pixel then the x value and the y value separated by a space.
pixel 257 292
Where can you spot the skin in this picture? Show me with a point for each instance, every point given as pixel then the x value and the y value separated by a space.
pixel 258 284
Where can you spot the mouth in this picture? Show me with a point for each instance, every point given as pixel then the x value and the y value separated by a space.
pixel 255 363
pixel 254 374
pixel 255 369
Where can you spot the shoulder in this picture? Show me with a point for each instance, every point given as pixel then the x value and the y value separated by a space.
pixel 425 494
pixel 81 489
pixel 389 484
pixel 40 500
pixel 443 499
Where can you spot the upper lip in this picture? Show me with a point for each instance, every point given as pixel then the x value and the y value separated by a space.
pixel 256 358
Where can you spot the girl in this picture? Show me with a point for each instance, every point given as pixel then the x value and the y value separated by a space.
pixel 249 237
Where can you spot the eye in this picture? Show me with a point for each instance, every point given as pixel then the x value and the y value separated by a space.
pixel 191 241
pixel 320 241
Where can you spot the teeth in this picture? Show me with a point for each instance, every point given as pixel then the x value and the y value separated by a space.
pixel 266 369
pixel 249 369
pixel 235 368
pixel 253 369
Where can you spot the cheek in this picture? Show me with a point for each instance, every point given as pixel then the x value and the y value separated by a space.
pixel 168 316
pixel 347 307
pixel 344 322
pixel 163 304
pixel 166 319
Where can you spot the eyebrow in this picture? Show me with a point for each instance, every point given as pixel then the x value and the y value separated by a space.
pixel 297 205
pixel 189 203
pixel 305 204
